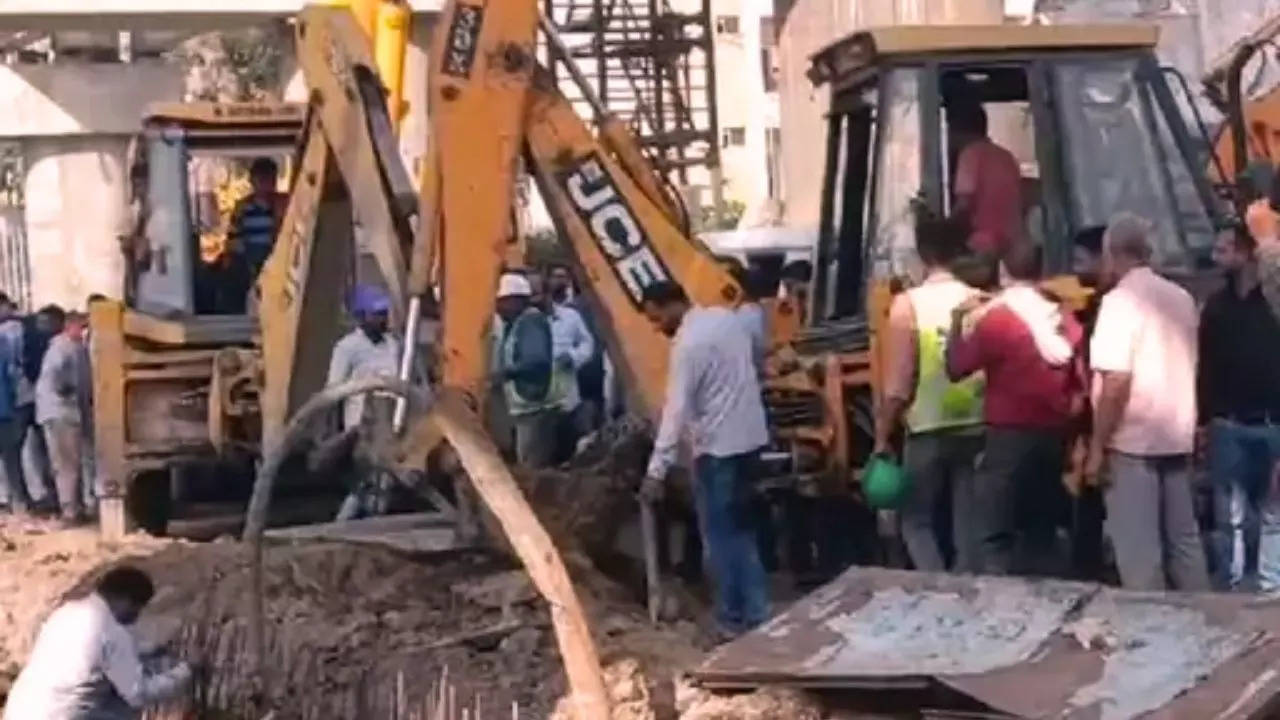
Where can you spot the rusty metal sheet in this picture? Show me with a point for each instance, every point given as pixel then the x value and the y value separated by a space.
pixel 1022 648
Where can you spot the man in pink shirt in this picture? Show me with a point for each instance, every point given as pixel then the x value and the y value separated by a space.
pixel 988 182
pixel 1143 355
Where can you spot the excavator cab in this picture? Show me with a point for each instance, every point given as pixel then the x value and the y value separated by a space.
pixel 189 169
pixel 1087 111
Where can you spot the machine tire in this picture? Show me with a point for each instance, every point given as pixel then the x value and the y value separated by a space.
pixel 148 502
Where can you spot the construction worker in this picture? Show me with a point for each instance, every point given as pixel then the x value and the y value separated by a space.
pixel 367 351
pixel 942 420
pixel 524 368
pixel 86 664
pixel 1028 350
pixel 1143 356
pixel 713 395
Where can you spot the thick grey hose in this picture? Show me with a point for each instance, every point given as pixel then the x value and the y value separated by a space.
pixel 259 503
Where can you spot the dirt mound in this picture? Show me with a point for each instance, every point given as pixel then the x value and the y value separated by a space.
pixel 352 631
pixel 585 501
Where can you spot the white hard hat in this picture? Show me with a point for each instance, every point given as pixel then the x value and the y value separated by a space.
pixel 514 285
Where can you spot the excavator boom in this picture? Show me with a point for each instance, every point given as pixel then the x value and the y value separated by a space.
pixel 350 189
pixel 491 102
pixel 619 237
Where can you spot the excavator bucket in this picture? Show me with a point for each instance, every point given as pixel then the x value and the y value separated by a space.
pixel 1014 648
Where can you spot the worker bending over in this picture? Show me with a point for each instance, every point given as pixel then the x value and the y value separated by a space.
pixel 85 664
pixel 941 419
pixel 714 394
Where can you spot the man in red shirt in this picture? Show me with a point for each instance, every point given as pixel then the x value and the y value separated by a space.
pixel 1029 350
pixel 988 182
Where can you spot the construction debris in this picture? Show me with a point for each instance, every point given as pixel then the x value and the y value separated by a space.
pixel 1014 647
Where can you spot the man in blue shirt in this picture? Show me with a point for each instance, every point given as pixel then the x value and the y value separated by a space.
pixel 11 428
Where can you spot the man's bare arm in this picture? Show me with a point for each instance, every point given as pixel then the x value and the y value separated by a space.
pixel 888 419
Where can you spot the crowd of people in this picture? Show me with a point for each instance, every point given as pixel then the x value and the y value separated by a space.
pixel 46 412
pixel 1033 422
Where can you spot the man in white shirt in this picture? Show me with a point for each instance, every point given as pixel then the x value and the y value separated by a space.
pixel 1143 355
pixel 85 663
pixel 572 347
pixel 713 396
pixel 367 351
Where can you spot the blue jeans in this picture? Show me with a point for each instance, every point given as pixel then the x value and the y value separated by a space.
pixel 1245 520
pixel 724 487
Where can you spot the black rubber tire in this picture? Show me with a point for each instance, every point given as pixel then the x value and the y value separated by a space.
pixel 148 502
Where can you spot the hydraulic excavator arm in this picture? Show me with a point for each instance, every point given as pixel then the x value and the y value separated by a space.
pixel 491 102
pixel 350 189
pixel 621 237
pixel 490 105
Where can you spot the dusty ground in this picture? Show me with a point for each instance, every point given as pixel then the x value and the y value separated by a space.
pixel 350 628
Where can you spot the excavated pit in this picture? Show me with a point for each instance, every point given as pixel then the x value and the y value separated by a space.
pixel 352 631
pixel 359 631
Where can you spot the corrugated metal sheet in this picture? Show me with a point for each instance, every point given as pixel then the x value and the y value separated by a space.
pixel 1020 648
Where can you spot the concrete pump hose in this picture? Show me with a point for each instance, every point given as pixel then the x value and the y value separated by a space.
pixel 501 494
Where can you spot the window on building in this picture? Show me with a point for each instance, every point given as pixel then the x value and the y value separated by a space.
pixel 727 25
pixel 733 137
pixel 769 68
pixel 768 54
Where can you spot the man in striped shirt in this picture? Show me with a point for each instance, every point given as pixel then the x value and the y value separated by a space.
pixel 257 217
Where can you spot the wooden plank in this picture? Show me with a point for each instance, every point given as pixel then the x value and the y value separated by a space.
pixel 108 349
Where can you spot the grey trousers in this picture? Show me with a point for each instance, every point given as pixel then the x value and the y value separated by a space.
pixel 1152 523
pixel 65 448
pixel 939 462
pixel 536 438
pixel 1023 502
pixel 11 432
